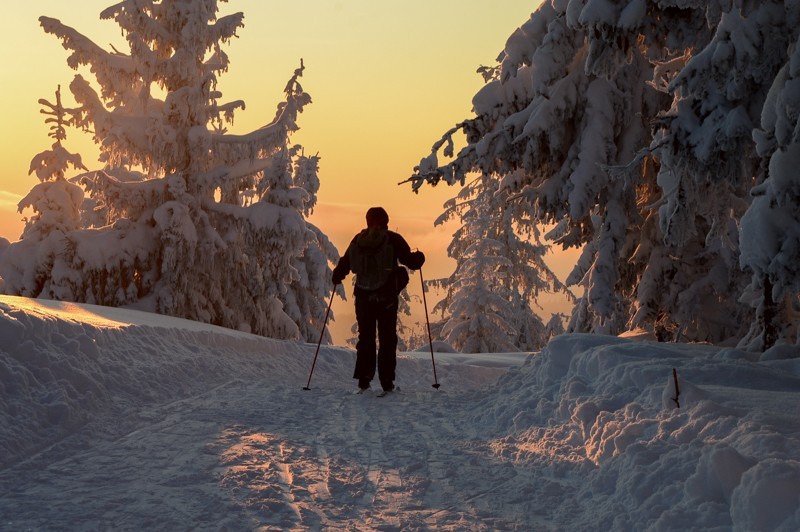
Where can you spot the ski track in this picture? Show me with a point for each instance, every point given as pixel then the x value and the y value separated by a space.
pixel 254 455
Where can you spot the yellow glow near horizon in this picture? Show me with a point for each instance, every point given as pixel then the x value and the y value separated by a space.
pixel 386 78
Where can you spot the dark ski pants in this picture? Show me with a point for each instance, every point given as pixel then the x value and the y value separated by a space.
pixel 373 313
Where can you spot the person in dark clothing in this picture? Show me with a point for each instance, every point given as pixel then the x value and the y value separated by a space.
pixel 373 255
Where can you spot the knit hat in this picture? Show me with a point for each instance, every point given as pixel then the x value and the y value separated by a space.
pixel 377 217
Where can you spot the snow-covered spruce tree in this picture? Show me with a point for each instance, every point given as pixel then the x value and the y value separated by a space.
pixel 770 234
pixel 715 61
pixel 56 205
pixel 708 163
pixel 500 272
pixel 599 115
pixel 312 282
pixel 478 312
pixel 555 326
pixel 550 127
pixel 188 220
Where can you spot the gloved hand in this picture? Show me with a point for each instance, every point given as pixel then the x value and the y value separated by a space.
pixel 337 278
pixel 417 259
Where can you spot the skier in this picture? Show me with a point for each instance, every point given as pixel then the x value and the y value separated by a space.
pixel 373 257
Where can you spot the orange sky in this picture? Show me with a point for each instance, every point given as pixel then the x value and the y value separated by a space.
pixel 387 79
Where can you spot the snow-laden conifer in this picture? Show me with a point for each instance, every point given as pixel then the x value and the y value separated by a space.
pixel 627 124
pixel 550 128
pixel 770 235
pixel 708 163
pixel 185 218
pixel 500 272
pixel 37 260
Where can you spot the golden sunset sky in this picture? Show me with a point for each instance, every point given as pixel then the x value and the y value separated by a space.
pixel 387 78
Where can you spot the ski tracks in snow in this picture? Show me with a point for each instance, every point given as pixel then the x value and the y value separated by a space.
pixel 255 455
pixel 370 463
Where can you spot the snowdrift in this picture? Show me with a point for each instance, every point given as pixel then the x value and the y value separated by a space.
pixel 63 365
pixel 586 435
pixel 604 406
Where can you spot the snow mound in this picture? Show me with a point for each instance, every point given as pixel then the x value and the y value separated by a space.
pixel 438 347
pixel 605 405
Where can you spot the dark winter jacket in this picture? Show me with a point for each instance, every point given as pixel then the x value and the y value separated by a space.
pixel 402 254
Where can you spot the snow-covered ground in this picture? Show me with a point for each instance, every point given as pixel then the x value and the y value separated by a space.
pixel 116 419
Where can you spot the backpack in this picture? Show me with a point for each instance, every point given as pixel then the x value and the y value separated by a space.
pixel 372 258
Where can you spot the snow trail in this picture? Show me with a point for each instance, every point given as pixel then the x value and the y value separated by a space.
pixel 236 457
pixel 219 420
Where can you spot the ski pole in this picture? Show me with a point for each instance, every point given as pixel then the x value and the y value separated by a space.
pixel 430 337
pixel 321 334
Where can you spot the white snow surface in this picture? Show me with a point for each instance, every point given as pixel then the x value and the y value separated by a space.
pixel 119 419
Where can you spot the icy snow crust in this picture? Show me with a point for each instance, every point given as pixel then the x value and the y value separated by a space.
pixel 113 418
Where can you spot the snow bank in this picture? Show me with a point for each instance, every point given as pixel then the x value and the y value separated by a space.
pixel 729 456
pixel 63 365
pixel 438 347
